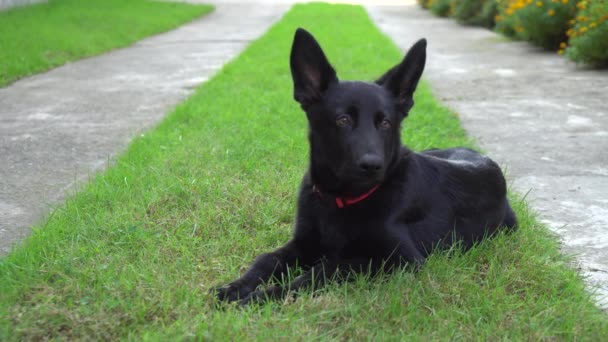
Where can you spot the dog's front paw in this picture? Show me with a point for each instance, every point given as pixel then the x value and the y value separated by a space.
pixel 231 292
pixel 255 297
pixel 263 296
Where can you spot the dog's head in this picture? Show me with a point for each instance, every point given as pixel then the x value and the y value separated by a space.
pixel 354 126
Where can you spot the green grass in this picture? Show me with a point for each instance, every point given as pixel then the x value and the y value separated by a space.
pixel 39 37
pixel 191 203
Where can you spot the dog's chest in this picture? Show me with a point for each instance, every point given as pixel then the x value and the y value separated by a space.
pixel 344 235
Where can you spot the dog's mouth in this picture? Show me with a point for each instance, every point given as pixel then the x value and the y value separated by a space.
pixel 353 183
pixel 346 180
pixel 368 181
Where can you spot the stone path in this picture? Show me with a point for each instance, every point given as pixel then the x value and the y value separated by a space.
pixel 534 112
pixel 59 128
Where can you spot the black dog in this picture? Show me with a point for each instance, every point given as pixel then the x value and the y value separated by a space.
pixel 367 203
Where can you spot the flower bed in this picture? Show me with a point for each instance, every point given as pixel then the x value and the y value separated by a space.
pixel 576 28
pixel 542 22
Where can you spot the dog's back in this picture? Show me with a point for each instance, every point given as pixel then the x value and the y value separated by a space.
pixel 475 191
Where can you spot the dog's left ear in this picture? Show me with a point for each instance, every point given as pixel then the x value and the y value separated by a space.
pixel 402 79
pixel 311 72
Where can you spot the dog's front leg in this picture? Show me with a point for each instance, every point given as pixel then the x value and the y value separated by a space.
pixel 264 267
pixel 316 277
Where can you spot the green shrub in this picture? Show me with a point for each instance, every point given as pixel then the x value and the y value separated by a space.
pixel 589 34
pixel 442 8
pixel 489 11
pixel 475 12
pixel 505 20
pixel 542 22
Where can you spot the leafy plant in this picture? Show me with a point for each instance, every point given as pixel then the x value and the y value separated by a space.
pixel 489 11
pixel 475 12
pixel 588 35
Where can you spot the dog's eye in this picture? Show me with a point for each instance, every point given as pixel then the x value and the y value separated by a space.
pixel 343 121
pixel 385 124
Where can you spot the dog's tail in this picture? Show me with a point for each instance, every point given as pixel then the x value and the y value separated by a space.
pixel 510 220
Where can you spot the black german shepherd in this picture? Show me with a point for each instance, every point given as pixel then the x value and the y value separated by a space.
pixel 368 203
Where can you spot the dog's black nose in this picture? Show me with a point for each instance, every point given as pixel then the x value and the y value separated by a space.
pixel 370 163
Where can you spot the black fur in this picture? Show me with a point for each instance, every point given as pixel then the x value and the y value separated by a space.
pixel 424 200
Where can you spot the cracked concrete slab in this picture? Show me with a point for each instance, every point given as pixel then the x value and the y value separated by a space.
pixel 534 112
pixel 59 128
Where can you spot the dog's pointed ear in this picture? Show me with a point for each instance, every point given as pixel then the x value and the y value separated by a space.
pixel 311 72
pixel 402 79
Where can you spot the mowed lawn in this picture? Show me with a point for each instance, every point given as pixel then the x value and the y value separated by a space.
pixel 190 204
pixel 39 37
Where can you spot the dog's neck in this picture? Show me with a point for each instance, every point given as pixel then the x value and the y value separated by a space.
pixel 342 202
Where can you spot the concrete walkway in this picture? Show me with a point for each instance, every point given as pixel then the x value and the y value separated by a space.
pixel 536 113
pixel 59 128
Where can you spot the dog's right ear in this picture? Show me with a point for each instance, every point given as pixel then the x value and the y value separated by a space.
pixel 311 72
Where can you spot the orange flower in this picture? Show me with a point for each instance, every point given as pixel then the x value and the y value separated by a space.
pixel 551 12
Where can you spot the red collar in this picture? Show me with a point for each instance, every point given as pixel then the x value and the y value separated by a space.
pixel 342 202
